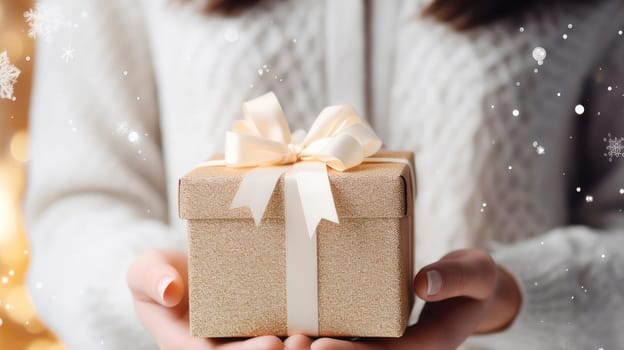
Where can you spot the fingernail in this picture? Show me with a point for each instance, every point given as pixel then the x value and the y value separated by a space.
pixel 434 282
pixel 163 284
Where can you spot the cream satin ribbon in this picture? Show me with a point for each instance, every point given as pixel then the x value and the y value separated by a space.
pixel 340 139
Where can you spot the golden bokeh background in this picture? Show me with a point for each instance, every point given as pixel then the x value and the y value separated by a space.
pixel 19 326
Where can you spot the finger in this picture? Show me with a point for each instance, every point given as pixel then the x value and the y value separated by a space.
pixel 297 342
pixel 505 304
pixel 468 273
pixel 158 276
pixel 266 342
pixel 169 329
pixel 444 324
pixel 338 344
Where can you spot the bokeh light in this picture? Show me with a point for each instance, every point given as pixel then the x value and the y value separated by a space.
pixel 8 215
pixel 20 328
pixel 19 146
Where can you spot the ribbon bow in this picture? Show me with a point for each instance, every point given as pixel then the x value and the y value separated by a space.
pixel 339 138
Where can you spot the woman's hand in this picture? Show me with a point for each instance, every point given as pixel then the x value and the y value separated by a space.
pixel 466 293
pixel 157 280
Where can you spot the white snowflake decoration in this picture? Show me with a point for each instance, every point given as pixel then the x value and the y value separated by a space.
pixel 615 147
pixel 44 21
pixel 68 53
pixel 8 76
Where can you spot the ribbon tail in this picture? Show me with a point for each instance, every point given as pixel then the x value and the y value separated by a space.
pixel 256 190
pixel 317 200
pixel 301 264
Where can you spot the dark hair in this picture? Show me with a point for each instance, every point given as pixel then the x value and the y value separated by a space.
pixel 461 14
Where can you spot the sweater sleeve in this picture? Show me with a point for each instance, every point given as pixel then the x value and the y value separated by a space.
pixel 572 277
pixel 96 194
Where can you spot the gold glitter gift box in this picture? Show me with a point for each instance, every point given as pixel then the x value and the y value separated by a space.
pixel 238 270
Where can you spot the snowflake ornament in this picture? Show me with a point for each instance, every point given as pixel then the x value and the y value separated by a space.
pixel 615 147
pixel 8 76
pixel 44 21
pixel 68 53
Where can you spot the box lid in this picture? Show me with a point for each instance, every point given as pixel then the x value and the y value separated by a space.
pixel 369 190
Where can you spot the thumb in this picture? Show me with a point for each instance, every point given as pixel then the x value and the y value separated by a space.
pixel 463 273
pixel 159 276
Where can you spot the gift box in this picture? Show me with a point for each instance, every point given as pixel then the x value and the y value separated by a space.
pixel 300 233
pixel 351 278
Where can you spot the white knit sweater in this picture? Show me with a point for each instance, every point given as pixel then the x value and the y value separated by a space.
pixel 154 84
